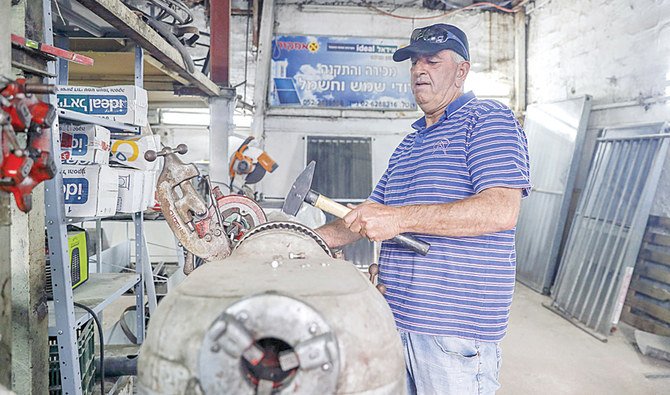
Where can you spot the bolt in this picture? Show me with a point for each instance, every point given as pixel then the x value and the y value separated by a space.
pixel 60 332
pixel 299 255
pixel 274 264
pixel 215 347
pixel 208 237
pixel 51 222
pixel 217 232
pixel 313 328
pixel 326 366
pixel 243 316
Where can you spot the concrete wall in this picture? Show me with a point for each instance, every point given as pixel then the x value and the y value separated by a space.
pixel 616 51
pixel 491 37
pixel 5 231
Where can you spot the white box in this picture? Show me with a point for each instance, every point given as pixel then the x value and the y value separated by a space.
pixel 131 191
pixel 90 191
pixel 130 152
pixel 122 103
pixel 149 190
pixel 84 144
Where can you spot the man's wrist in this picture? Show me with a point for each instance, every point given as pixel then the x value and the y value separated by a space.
pixel 404 219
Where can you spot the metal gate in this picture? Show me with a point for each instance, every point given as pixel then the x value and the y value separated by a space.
pixel 556 135
pixel 608 226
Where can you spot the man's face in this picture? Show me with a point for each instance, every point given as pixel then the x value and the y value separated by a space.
pixel 436 80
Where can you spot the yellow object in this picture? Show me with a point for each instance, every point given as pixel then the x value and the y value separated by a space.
pixel 77 244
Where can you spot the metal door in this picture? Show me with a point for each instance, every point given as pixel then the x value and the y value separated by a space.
pixel 556 134
pixel 608 226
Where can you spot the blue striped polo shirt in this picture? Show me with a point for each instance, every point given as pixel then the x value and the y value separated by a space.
pixel 464 286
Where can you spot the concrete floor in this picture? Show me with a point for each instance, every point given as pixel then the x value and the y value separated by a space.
pixel 545 354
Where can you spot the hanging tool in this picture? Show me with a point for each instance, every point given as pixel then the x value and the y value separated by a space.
pixel 24 166
pixel 252 166
pixel 300 192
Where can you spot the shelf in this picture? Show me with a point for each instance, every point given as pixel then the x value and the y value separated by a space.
pixel 100 290
pixel 85 118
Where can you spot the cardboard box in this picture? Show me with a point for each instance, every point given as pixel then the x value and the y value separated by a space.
pixel 84 144
pixel 131 191
pixel 90 191
pixel 130 152
pixel 149 190
pixel 122 103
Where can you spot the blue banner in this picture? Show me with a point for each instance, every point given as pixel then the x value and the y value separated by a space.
pixel 339 72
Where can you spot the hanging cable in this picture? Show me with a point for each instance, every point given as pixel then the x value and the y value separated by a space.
pixel 172 12
pixel 102 344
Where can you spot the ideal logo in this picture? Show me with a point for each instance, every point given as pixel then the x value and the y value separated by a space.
pixel 77 143
pixel 95 104
pixel 110 105
pixel 75 190
pixel 78 103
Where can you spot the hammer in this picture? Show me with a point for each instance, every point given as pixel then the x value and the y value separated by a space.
pixel 300 192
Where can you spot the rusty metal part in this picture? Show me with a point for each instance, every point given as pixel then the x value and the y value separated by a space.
pixel 373 270
pixel 239 215
pixel 184 209
pixel 288 226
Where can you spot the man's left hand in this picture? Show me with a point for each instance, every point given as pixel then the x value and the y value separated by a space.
pixel 374 221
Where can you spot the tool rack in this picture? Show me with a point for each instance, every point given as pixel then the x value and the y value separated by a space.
pixel 101 289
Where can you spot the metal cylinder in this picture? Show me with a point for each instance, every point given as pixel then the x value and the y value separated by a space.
pixel 278 316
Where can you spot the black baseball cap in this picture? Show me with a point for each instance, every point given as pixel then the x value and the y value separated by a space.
pixel 433 39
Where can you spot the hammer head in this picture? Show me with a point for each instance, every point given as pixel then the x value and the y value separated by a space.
pixel 296 195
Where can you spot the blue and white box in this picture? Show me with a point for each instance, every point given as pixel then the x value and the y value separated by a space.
pixel 84 144
pixel 90 191
pixel 123 103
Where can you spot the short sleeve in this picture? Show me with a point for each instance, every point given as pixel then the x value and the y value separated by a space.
pixel 497 152
pixel 377 194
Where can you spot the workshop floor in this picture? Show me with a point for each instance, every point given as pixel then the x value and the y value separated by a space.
pixel 545 354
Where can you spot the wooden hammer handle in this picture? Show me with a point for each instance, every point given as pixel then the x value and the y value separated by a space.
pixel 339 210
pixel 331 206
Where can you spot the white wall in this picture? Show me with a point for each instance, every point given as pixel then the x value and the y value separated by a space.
pixel 615 51
pixel 492 51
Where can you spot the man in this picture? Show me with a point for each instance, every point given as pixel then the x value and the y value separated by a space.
pixel 457 183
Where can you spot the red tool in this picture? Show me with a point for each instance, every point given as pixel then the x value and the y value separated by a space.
pixel 24 167
pixel 51 50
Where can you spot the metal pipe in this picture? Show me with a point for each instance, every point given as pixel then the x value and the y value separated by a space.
pixel 640 137
pixel 121 365
pixel 631 103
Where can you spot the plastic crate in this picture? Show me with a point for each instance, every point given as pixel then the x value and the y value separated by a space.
pixel 86 347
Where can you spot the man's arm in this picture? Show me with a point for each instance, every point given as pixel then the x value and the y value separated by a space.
pixel 492 210
pixel 337 234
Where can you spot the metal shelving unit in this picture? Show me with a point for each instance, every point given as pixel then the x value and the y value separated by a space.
pixel 85 118
pixel 101 289
pixel 97 292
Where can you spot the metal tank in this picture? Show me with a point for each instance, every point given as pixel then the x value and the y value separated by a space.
pixel 279 316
